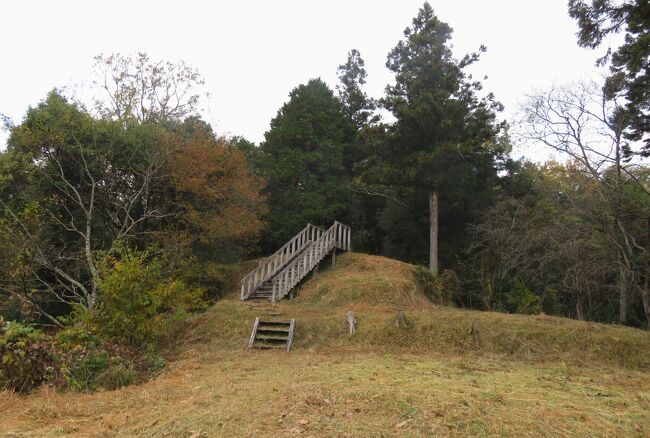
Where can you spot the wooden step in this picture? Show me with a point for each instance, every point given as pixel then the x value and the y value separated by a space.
pixel 268 347
pixel 271 334
pixel 276 323
pixel 271 341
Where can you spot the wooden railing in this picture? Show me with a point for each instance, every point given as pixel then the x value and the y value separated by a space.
pixel 337 236
pixel 273 264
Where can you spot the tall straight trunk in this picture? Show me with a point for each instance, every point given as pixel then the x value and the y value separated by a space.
pixel 645 289
pixel 645 297
pixel 433 232
pixel 622 297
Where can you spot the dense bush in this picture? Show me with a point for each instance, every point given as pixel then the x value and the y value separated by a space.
pixel 97 370
pixel 27 360
pixel 521 299
pixel 138 302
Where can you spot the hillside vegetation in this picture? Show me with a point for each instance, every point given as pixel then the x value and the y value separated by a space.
pixel 447 372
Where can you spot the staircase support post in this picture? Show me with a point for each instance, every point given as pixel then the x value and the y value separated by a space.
pixel 334 257
pixel 251 340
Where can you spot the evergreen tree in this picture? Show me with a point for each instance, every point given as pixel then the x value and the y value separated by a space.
pixel 358 107
pixel 444 140
pixel 303 161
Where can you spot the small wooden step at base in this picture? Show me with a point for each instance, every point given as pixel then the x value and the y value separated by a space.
pixel 271 334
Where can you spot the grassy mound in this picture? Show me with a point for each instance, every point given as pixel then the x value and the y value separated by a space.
pixel 377 289
pixel 361 279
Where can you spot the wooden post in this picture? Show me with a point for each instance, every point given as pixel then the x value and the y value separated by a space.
pixel 334 257
pixel 292 328
pixel 349 248
pixel 433 232
pixel 352 322
pixel 251 340
pixel 274 292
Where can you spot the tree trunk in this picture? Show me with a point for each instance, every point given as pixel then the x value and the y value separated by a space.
pixel 645 297
pixel 645 289
pixel 433 232
pixel 622 297
pixel 580 316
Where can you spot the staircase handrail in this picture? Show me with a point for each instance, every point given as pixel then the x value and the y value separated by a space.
pixel 337 236
pixel 276 261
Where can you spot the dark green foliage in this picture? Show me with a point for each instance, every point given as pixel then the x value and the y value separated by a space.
pixel 303 161
pixel 445 139
pixel 87 363
pixel 119 373
pixel 217 279
pixel 82 372
pixel 358 107
pixel 630 63
pixel 520 299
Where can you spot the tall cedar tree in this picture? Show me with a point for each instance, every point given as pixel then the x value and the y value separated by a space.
pixel 359 109
pixel 303 161
pixel 630 63
pixel 444 140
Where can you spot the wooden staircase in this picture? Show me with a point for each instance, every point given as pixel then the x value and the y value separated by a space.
pixel 268 335
pixel 265 290
pixel 276 276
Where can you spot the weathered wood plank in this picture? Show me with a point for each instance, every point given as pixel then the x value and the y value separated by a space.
pixel 352 322
pixel 251 340
pixel 292 328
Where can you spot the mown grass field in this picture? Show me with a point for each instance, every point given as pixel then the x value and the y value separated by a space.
pixel 450 372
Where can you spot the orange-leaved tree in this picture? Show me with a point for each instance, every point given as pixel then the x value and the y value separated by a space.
pixel 217 200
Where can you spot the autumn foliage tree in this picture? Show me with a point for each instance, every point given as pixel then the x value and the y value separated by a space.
pixel 73 185
pixel 215 199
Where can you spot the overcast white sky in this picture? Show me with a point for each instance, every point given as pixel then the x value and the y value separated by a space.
pixel 252 53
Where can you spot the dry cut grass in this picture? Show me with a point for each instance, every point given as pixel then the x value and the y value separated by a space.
pixel 355 394
pixel 449 372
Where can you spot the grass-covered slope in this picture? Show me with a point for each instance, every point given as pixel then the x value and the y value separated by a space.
pixel 366 280
pixel 448 372
pixel 357 283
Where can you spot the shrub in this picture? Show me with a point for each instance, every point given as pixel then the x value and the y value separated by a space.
pixel 84 369
pixel 520 299
pixel 137 302
pixel 26 357
pixel 441 289
pixel 118 374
